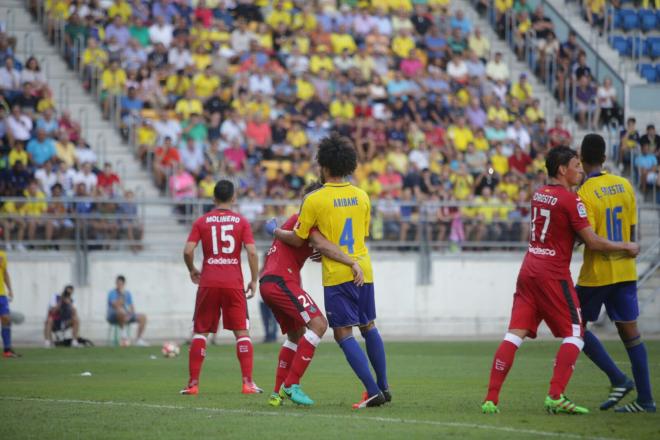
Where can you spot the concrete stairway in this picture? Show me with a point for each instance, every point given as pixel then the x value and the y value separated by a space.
pixel 101 135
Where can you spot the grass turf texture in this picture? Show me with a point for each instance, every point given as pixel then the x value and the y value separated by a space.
pixel 437 387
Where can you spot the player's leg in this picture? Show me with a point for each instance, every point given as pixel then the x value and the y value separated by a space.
pixel 205 321
pixel 523 323
pixel 235 318
pixel 307 344
pixel 48 331
pixel 591 303
pixel 372 339
pixel 341 304
pixel 5 323
pixel 636 349
pixel 559 309
pixel 285 358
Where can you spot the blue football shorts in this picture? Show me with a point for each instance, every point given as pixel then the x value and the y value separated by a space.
pixel 347 305
pixel 620 301
pixel 4 305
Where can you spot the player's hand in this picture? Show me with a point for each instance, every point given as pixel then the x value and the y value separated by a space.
pixel 358 275
pixel 316 256
pixel 270 226
pixel 251 289
pixel 633 249
pixel 195 275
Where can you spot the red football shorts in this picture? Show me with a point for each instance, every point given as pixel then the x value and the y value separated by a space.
pixel 550 300
pixel 212 302
pixel 292 306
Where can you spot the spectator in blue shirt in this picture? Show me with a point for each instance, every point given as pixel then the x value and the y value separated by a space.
pixel 459 21
pixel 647 167
pixel 121 312
pixel 47 122
pixel 41 148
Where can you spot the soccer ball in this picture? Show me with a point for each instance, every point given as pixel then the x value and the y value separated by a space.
pixel 170 350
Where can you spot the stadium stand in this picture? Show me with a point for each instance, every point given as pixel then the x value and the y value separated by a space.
pixel 246 90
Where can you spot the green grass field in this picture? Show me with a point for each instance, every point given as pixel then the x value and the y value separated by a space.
pixel 437 387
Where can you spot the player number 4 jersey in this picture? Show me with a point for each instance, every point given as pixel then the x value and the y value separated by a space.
pixel 557 214
pixel 223 234
pixel 612 211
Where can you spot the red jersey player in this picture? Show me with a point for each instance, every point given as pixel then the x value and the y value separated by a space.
pixel 544 290
pixel 223 234
pixel 295 310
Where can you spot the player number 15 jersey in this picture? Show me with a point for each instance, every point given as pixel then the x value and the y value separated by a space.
pixel 223 234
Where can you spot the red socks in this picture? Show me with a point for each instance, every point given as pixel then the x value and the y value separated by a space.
pixel 564 365
pixel 196 358
pixel 287 352
pixel 502 363
pixel 302 359
pixel 245 357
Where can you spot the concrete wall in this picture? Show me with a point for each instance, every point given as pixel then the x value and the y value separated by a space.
pixel 469 296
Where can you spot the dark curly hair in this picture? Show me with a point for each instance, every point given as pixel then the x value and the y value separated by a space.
pixel 337 154
pixel 592 149
pixel 557 157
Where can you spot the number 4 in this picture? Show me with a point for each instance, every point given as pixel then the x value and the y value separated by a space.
pixel 346 238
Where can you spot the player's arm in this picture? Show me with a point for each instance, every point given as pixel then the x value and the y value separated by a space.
pixel 189 259
pixel 332 251
pixel 253 261
pixel 599 244
pixel 10 292
pixel 300 234
pixel 288 237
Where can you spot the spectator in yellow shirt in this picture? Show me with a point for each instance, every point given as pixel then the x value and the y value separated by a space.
pixel 509 186
pixel 177 85
pixel 34 208
pixel 93 57
pixel 342 40
pixel 395 5
pixel 279 16
pixel 371 185
pixel 321 60
pixel 113 81
pixel 306 20
pixel 533 113
pixel 460 134
pixel 201 58
pixel 342 107
pixel 480 142
pixel 188 105
pixel 121 8
pixel 206 83
pixel 499 160
pixel 304 88
pixel 18 154
pixel 402 44
pixel 462 182
pixel 296 136
pixel 522 90
pixel 497 112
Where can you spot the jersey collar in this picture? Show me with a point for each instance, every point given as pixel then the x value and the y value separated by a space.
pixel 596 174
pixel 337 184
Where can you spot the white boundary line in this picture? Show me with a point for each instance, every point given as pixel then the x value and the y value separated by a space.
pixel 311 415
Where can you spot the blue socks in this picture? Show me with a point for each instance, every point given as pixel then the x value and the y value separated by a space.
pixel 6 337
pixel 360 364
pixel 640 368
pixel 376 352
pixel 599 356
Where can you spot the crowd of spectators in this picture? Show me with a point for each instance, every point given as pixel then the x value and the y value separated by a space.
pixel 44 160
pixel 246 89
pixel 561 64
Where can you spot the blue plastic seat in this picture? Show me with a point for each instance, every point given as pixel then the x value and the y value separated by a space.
pixel 657 72
pixel 648 20
pixel 619 44
pixel 648 72
pixel 629 19
pixel 653 47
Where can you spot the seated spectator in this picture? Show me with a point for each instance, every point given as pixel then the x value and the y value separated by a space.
pixel 131 105
pixel 558 134
pixel 121 312
pixel 108 180
pixel 27 100
pixel 18 154
pixel 652 139
pixel 646 164
pixel 86 177
pixel 192 158
pixel 41 148
pixel 19 126
pixel 65 149
pixel 129 221
pixel 166 158
pixel 48 123
pixel 46 177
pixel 71 127
pixel 585 95
pixel 84 153
pixel 519 162
pixel 13 220
pixel 10 80
pixel 497 69
pixel 62 315
pixel 608 108
pixel 59 223
pixel 113 81
pixel 629 140
pixel 34 209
